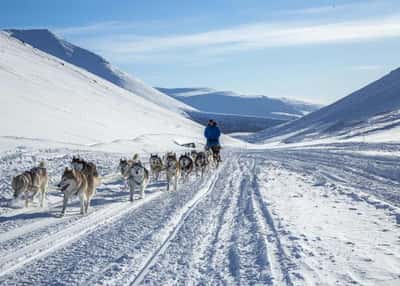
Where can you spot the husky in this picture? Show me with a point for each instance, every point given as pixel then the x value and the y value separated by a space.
pixel 156 166
pixel 193 154
pixel 87 168
pixel 186 166
pixel 75 182
pixel 32 181
pixel 200 163
pixel 138 177
pixel 124 166
pixel 172 170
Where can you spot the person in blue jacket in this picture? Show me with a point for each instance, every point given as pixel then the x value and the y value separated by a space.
pixel 212 134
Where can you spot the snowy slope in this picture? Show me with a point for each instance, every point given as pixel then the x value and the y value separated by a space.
pixel 46 41
pixel 213 101
pixel 45 99
pixel 372 111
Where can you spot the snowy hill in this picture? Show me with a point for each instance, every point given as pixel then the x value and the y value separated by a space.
pixel 213 101
pixel 44 99
pixel 372 111
pixel 46 41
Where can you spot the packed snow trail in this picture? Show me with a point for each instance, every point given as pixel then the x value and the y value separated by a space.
pixel 264 217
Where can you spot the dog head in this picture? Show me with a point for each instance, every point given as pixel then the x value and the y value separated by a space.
pixel 201 159
pixel 123 166
pixel 77 163
pixel 137 171
pixel 185 161
pixel 68 180
pixel 155 160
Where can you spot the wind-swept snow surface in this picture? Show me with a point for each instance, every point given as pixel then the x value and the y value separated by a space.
pixel 47 42
pixel 44 98
pixel 262 218
pixel 372 111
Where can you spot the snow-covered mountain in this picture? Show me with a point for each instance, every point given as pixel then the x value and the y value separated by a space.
pixel 47 42
pixel 372 111
pixel 227 102
pixel 44 99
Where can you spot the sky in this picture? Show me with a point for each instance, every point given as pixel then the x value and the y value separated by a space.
pixel 312 50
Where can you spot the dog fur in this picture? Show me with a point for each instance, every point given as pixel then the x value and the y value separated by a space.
pixel 32 181
pixel 186 166
pixel 156 166
pixel 172 170
pixel 138 178
pixel 87 168
pixel 200 163
pixel 75 182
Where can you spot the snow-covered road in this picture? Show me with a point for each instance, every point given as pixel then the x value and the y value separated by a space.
pixel 325 215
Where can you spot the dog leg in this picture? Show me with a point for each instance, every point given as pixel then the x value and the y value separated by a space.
pixel 87 202
pixel 82 202
pixel 176 183
pixel 142 191
pixel 132 189
pixel 65 201
pixel 26 198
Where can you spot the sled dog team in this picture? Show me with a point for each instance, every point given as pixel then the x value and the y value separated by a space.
pixel 82 178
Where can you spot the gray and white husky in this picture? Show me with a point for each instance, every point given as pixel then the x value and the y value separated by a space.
pixel 136 175
pixel 31 182
pixel 137 179
pixel 200 163
pixel 156 166
pixel 172 170
pixel 186 166
pixel 75 182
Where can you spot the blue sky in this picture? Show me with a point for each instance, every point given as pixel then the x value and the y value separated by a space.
pixel 312 50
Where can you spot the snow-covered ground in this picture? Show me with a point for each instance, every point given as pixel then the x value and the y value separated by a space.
pixel 326 215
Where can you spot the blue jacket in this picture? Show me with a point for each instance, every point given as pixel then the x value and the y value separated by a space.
pixel 212 134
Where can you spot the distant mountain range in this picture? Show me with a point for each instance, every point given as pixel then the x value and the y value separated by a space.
pixel 372 111
pixel 236 113
pixel 227 102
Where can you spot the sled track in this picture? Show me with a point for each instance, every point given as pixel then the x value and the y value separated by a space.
pixel 72 232
pixel 190 206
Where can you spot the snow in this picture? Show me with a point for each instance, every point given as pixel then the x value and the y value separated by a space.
pixel 49 43
pixel 361 115
pixel 264 217
pixel 318 212
pixel 45 99
pixel 227 102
